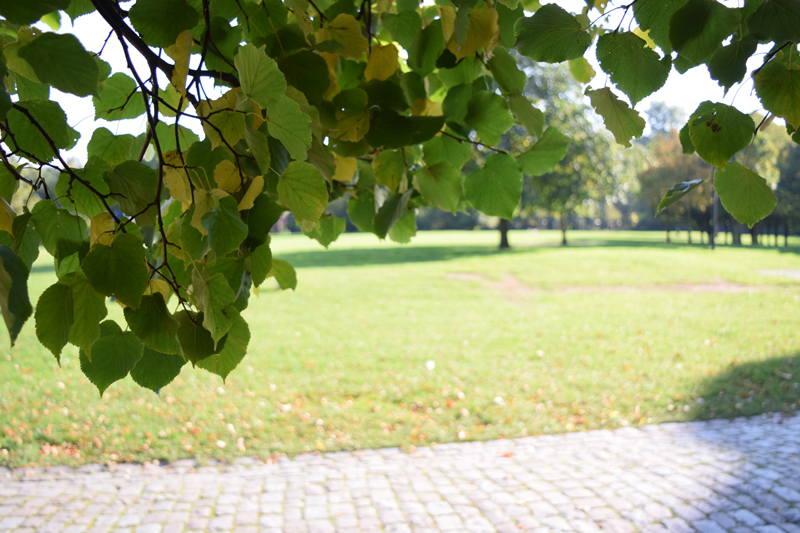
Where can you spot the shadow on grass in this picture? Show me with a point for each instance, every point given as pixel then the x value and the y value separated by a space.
pixel 768 386
pixel 386 256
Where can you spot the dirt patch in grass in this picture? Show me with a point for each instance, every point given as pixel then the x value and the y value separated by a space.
pixel 782 273
pixel 514 286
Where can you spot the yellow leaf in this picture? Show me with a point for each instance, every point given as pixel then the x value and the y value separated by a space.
pixel 102 229
pixel 481 33
pixel 346 31
pixel 7 216
pixel 383 6
pixel 382 63
pixel 158 286
pixel 178 184
pixel 351 127
pixel 180 53
pixel 249 198
pixel 345 168
pixel 227 177
pixel 205 202
pixel 645 36
pixel 423 107
pixel 448 17
pixel 332 60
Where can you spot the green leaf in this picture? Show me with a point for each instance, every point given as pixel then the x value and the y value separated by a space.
pixel 284 274
pixel 686 139
pixel 113 356
pixel 389 168
pixel 621 120
pixel 488 115
pixel 495 189
pixel 113 149
pixel 14 302
pixel 229 357
pixel 776 20
pixel 5 99
pixel 196 341
pixel 728 65
pixel 29 11
pixel 75 196
pixel 778 86
pixel 327 230
pixel 226 230
pixel 744 194
pixel 260 219
pixel 54 318
pixel 62 233
pixel 156 370
pixel 61 61
pixel 153 324
pixel 118 99
pixel 404 229
pixel 676 192
pixel 259 263
pixel 167 136
pixel 304 70
pixel 79 8
pixel 134 185
pixel 287 123
pixel 527 115
pixel 302 189
pixel 636 69
pixel 261 80
pixel 698 28
pixel 504 68
pixel 28 137
pixel 506 19
pixel 259 149
pixel 392 130
pixel 361 211
pixel 718 131
pixel 159 22
pixel 543 156
pixel 89 309
pixel 426 48
pixel 446 149
pixel 463 73
pixel 26 241
pixel 118 270
pixel 217 299
pixel 404 27
pixel 654 16
pixel 456 103
pixel 551 35
pixel 441 185
pixel 390 212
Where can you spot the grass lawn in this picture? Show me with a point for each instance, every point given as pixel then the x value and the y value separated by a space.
pixel 442 340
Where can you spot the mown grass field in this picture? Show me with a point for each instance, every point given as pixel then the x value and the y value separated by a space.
pixel 442 340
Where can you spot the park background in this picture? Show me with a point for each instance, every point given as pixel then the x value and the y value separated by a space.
pixel 447 338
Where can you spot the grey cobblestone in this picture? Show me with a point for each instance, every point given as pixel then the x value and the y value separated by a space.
pixel 705 477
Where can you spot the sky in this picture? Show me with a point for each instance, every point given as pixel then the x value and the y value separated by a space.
pixel 684 91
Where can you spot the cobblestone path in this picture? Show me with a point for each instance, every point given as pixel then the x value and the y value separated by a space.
pixel 741 476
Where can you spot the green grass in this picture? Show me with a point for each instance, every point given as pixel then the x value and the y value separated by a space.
pixel 610 331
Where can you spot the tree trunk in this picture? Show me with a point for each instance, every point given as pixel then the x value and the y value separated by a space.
pixel 504 234
pixel 689 225
pixel 563 229
pixel 736 233
pixel 754 235
pixel 786 235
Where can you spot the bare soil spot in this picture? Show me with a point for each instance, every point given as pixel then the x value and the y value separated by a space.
pixel 791 273
pixel 514 287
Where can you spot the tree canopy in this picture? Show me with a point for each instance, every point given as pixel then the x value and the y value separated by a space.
pixel 257 107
